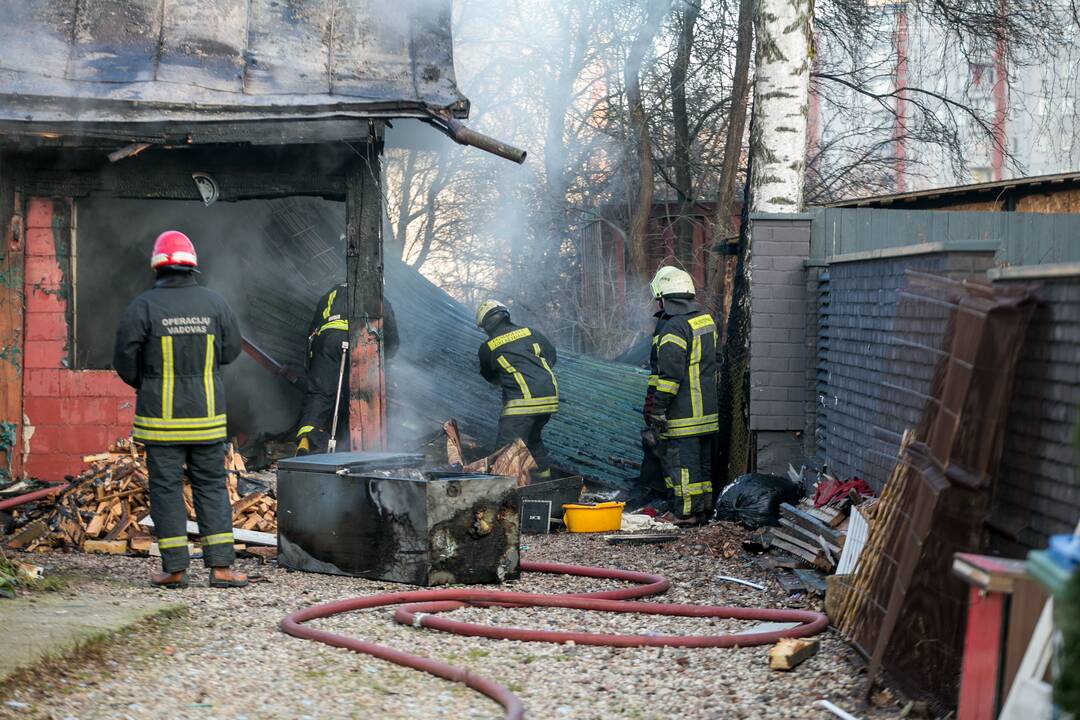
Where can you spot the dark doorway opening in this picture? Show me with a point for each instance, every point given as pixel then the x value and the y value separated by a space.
pixel 271 259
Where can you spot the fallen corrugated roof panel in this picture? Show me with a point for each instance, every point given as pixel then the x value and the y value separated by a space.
pixel 436 376
pixel 150 61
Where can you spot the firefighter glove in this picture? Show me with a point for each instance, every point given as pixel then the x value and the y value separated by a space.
pixel 658 422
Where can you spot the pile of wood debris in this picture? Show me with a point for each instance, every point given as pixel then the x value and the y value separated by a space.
pixel 810 542
pixel 107 507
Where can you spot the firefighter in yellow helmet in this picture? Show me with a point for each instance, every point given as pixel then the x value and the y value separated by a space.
pixel 520 361
pixel 680 403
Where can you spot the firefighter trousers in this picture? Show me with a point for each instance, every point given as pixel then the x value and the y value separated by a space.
pixel 687 464
pixel 206 471
pixel 530 429
pixel 317 410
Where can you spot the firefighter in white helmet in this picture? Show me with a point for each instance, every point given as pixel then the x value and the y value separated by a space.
pixel 680 403
pixel 520 361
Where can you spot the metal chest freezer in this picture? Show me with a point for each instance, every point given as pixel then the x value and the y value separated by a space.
pixel 376 515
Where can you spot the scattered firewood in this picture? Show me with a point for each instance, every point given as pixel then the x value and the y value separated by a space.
pixel 111 547
pixel 454 455
pixel 103 507
pixel 514 461
pixel 788 653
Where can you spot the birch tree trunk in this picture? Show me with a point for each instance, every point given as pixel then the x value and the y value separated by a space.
pixel 781 104
pixel 777 162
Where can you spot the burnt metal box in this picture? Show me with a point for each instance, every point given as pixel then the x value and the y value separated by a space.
pixel 377 515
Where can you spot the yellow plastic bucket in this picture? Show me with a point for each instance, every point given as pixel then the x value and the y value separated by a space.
pixel 600 517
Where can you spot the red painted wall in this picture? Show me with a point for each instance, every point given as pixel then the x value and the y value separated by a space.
pixel 69 413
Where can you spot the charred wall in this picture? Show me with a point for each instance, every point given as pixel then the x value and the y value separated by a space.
pixel 270 259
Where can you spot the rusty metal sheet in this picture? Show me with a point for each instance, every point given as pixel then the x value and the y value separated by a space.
pixel 115 41
pixel 46 49
pixel 202 46
pixel 157 61
pixel 291 62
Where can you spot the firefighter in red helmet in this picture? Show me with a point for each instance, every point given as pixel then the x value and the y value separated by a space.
pixel 170 346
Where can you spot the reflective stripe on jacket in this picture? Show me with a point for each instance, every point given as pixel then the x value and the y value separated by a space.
pixel 170 346
pixel 682 383
pixel 520 360
pixel 332 313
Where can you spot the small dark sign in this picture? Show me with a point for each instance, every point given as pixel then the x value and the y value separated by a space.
pixel 535 516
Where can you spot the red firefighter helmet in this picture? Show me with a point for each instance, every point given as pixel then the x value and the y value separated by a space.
pixel 173 247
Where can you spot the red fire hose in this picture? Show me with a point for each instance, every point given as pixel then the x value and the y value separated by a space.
pixel 32 496
pixel 419 608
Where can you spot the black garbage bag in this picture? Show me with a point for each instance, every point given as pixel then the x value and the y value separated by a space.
pixel 754 499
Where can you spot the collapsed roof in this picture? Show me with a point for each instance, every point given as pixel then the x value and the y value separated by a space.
pixel 165 65
pixel 435 374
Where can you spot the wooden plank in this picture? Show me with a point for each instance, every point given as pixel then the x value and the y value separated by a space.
pixel 246 502
pixel 798 518
pixel 27 535
pixel 110 547
pixel 364 270
pixel 250 537
pixel 790 582
pixel 809 537
pixel 11 324
pixel 813 580
pixel 989 573
pixel 817 559
pixel 807 544
pixel 789 653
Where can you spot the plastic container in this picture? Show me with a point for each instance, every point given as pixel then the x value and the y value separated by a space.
pixel 598 517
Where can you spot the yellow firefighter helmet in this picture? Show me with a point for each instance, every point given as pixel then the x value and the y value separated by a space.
pixel 671 281
pixel 486 307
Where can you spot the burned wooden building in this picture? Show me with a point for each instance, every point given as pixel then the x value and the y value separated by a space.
pixel 120 118
pixel 257 128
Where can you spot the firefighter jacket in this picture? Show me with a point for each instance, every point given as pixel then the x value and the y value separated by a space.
pixel 171 344
pixel 519 359
pixel 332 313
pixel 682 383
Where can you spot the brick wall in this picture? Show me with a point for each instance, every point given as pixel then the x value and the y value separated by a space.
pixel 68 413
pixel 1037 492
pixel 778 348
pixel 870 388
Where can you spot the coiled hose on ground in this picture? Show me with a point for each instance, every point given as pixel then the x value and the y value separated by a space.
pixel 419 608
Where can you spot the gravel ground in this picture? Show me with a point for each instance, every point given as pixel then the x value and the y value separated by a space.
pixel 227 659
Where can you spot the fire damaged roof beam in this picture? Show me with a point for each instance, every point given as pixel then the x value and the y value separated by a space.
pixel 456 131
pixel 128 151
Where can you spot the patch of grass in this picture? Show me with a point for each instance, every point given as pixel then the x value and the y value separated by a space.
pixel 476 653
pixel 90 651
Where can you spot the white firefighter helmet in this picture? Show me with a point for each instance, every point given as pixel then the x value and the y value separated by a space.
pixel 486 307
pixel 671 281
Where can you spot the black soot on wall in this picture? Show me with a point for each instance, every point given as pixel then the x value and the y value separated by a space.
pixel 271 259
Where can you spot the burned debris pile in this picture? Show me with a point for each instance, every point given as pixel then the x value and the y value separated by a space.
pixel 107 508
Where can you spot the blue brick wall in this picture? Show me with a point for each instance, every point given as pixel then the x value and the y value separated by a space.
pixel 874 373
pixel 1037 492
